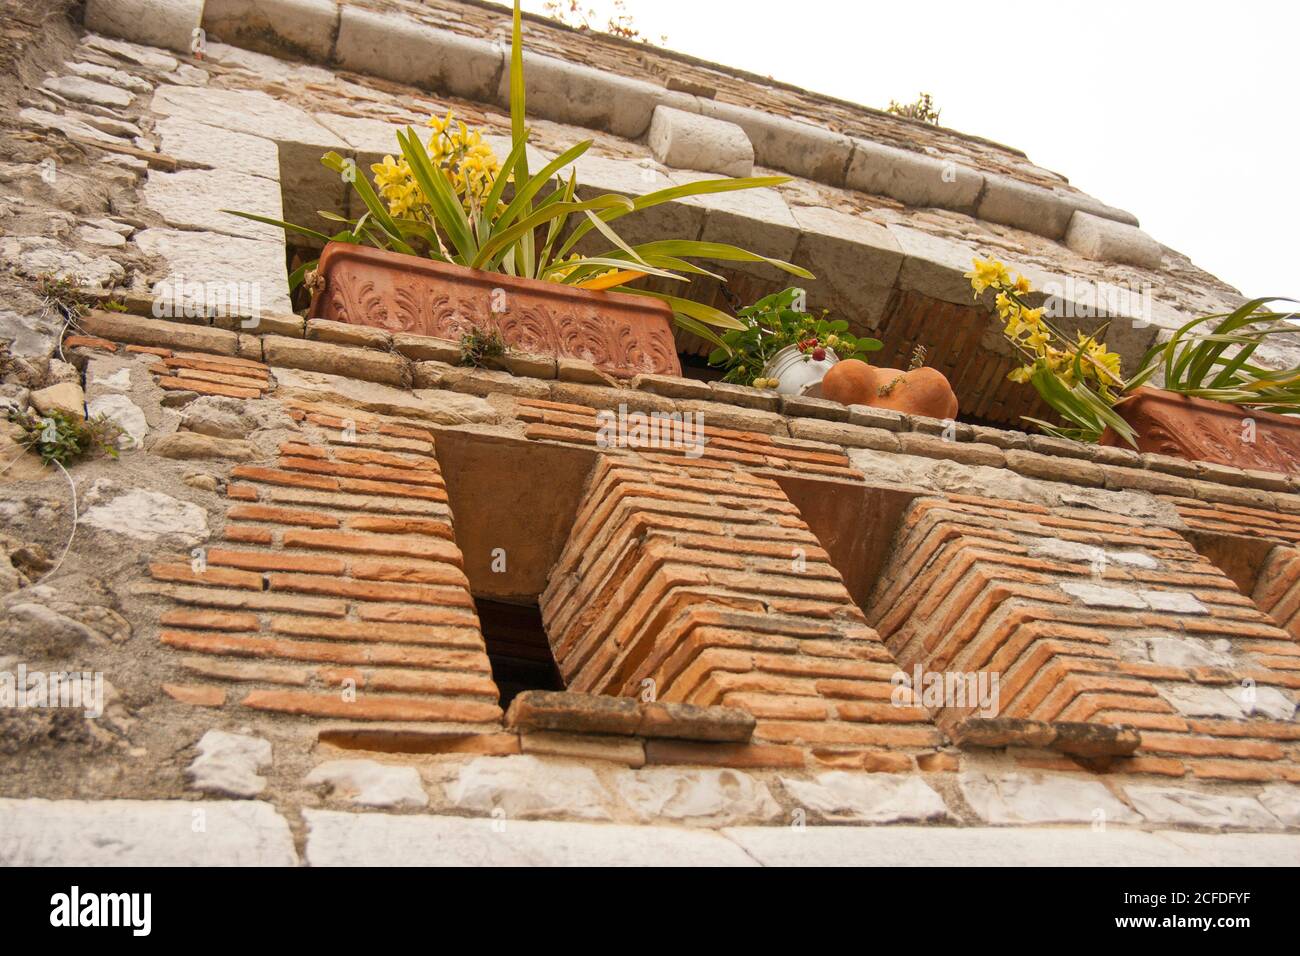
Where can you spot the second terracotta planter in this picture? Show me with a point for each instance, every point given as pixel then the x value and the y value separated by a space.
pixel 1198 430
pixel 621 334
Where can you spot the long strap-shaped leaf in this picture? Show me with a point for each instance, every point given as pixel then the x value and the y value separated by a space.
pixel 334 161
pixel 695 310
pixel 672 193
pixel 714 250
pixel 437 191
pixel 525 191
pixel 499 242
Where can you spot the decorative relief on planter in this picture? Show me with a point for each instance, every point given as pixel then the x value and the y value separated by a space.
pixel 1200 430
pixel 621 334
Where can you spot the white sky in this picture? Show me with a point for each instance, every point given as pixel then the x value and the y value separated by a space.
pixel 1186 114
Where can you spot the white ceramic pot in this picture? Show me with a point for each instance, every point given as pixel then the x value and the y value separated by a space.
pixel 798 372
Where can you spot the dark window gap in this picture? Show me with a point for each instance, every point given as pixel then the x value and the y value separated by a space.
pixel 517 648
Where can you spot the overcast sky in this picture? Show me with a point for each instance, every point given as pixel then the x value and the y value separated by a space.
pixel 1186 114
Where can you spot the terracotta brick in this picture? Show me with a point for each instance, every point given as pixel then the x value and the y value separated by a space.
pixel 220 577
pixel 286 516
pixel 274 476
pixel 275 561
pixel 248 535
pixel 400 525
pixel 325 652
pixel 368 591
pixel 214 620
pixel 207 388
pixel 89 342
pixel 373 707
pixel 407 546
pixel 723 755
pixel 197 695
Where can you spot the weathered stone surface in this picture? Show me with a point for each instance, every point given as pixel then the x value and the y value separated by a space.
pixel 88 91
pixel 218 417
pixel 196 142
pixel 370 783
pixel 188 446
pixel 244 111
pixel 434 405
pixel 1011 797
pixel 629 751
pixel 39 254
pixel 1266 702
pixel 1184 651
pixel 696 796
pixel 124 413
pixel 66 397
pixel 1173 805
pixel 210 257
pixel 527 787
pixel 1179 602
pixel 165 23
pixel 194 198
pixel 786 144
pixel 1283 801
pixel 1111 241
pixel 72 126
pixel 1094 595
pixel 582 95
pixel 934 265
pixel 691 141
pixel 1002 846
pixel 305 27
pixel 377 839
pixel 340 360
pixel 913 177
pixel 137 330
pixel 875 797
pixel 398 48
pixel 855 260
pixel 24 465
pixel 1024 206
pixel 29 333
pixel 754 219
pixel 1195 700
pixel 229 763
pixel 83 833
pixel 346 333
pixel 143 515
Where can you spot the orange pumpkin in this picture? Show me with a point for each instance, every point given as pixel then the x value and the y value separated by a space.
pixel 922 391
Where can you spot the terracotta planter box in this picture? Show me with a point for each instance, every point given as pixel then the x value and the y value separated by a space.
pixel 621 334
pixel 1201 430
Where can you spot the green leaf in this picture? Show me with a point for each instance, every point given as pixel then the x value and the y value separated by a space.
pixel 499 241
pixel 694 310
pixel 438 192
pixel 287 226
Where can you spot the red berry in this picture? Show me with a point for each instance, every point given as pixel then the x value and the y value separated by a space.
pixel 819 355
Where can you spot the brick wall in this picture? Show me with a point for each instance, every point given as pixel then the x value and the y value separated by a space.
pixel 1088 616
pixel 338 590
pixel 705 581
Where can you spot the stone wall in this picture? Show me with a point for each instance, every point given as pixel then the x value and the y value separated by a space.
pixel 276 581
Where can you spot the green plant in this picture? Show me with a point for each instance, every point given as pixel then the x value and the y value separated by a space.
pixel 447 200
pixel 1216 365
pixel 1078 378
pixel 776 322
pixel 923 109
pixel 62 293
pixel 61 437
pixel 1082 381
pixel 477 346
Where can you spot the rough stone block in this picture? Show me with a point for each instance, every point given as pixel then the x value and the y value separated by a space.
pixel 1111 241
pixel 1010 797
pixel 194 199
pixel 302 27
pixel 855 260
pixel 581 95
pixel 165 23
pixel 690 141
pixel 84 833
pixel 786 144
pixel 874 797
pixel 913 178
pixel 399 48
pixel 1024 206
